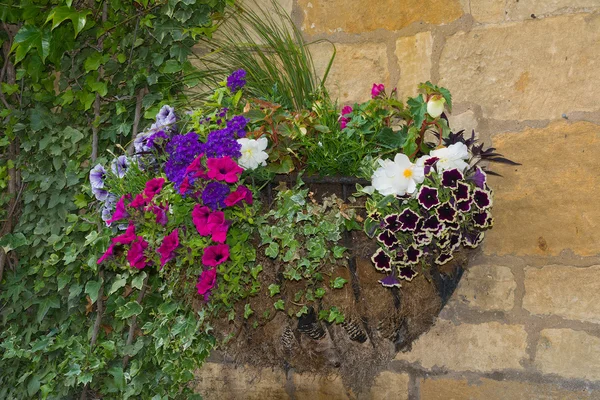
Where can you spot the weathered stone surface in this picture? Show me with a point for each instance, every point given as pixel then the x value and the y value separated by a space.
pixel 390 385
pixel 314 387
pixel 354 16
pixel 224 382
pixel 355 69
pixel 569 353
pixel 487 287
pixel 488 11
pixel 487 389
pixel 547 204
pixel 482 347
pixel 568 292
pixel 414 61
pixel 532 70
pixel 466 121
pixel 523 9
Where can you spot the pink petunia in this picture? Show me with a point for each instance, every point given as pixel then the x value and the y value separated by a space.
pixel 223 169
pixel 161 213
pixel 153 187
pixel 206 280
pixel 344 120
pixel 168 246
pixel 200 216
pixel 196 169
pixel 241 193
pixel 139 201
pixel 107 253
pixel 215 255
pixel 120 212
pixel 185 185
pixel 376 90
pixel 135 255
pixel 218 226
pixel 127 237
pixel 346 110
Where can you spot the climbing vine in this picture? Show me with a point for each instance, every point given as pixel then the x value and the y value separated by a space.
pixel 79 77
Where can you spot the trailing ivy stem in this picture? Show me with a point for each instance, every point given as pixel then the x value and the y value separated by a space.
pixel 132 323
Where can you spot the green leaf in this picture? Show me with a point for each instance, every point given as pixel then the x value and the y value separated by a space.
pixel 272 250
pixel 72 134
pixel 302 311
pixel 418 108
pixel 92 63
pixel 338 251
pixel 167 308
pixel 273 289
pixel 447 96
pixel 117 284
pixel 338 282
pixel 60 14
pixel 12 241
pixel 390 139
pixel 129 310
pixel 247 311
pixel 279 305
pixel 138 281
pixel 170 66
pixel 33 386
pixel 30 37
pixel 319 293
pixel 92 288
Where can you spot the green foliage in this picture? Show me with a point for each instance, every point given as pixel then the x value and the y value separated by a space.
pixel 79 68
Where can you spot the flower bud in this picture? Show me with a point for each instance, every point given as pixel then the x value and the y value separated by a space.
pixel 435 106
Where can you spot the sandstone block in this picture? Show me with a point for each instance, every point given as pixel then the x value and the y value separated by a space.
pixel 523 9
pixel 390 385
pixel 470 347
pixel 487 288
pixel 355 69
pixel 568 292
pixel 224 382
pixel 414 61
pixel 488 389
pixel 315 387
pixel 354 16
pixel 547 204
pixel 569 353
pixel 533 70
pixel 488 11
pixel 466 121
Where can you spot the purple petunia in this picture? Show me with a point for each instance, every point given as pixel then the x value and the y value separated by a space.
pixel 382 262
pixel 482 219
pixel 392 222
pixel 236 80
pixel 413 254
pixel 479 178
pixel 432 224
pixel 428 197
pixel 472 239
pixel 387 238
pixel 482 198
pixel 214 195
pixel 182 150
pixel 451 177
pixel 165 119
pixel 464 206
pixel 97 175
pixel 443 258
pixel 462 191
pixel 446 212
pixel 390 281
pixel 407 273
pixel 408 220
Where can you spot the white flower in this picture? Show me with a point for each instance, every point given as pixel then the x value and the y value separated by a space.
pixel 397 177
pixel 253 152
pixel 435 106
pixel 453 156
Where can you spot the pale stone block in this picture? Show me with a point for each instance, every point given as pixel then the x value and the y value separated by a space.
pixel 487 288
pixel 523 9
pixel 414 61
pixel 488 11
pixel 318 387
pixel 390 385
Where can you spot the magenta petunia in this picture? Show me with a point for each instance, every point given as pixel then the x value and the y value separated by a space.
pixel 215 255
pixel 241 193
pixel 185 185
pixel 127 237
pixel 223 169
pixel 135 255
pixel 107 253
pixel 196 169
pixel 376 90
pixel 218 226
pixel 120 212
pixel 139 201
pixel 153 187
pixel 161 213
pixel 200 216
pixel 346 110
pixel 168 246
pixel 206 280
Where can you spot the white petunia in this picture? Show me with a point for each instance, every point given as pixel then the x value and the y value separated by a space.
pixel 253 152
pixel 397 177
pixel 453 156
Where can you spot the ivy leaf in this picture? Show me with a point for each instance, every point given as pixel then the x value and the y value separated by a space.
pixel 273 289
pixel 117 284
pixel 319 293
pixel 302 311
pixel 60 14
pixel 72 134
pixel 138 281
pixel 338 282
pixel 279 305
pixel 129 310
pixel 30 37
pixel 12 241
pixel 33 386
pixel 169 67
pixel 247 311
pixel 92 288
pixel 272 250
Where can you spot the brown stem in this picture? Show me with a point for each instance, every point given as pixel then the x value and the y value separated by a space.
pixel 132 323
pixel 137 116
pixel 97 323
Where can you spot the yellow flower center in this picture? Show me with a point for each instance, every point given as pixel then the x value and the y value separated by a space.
pixel 408 173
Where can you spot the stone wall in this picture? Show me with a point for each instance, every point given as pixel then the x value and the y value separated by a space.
pixel 525 74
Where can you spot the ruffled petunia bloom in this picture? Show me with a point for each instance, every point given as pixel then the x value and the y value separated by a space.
pixel 423 238
pixel 464 205
pixel 482 199
pixel 479 178
pixel 217 226
pixel 446 212
pixel 161 213
pixel 120 165
pixel 242 193
pixel 97 175
pixel 206 281
pixel 428 197
pixel 482 219
pixel 215 255
pixel 443 258
pixel 139 201
pixel 432 224
pixel 382 262
pixel 168 246
pixel 453 156
pixel 200 216
pixel 153 187
pixel 462 191
pixel 387 238
pixel 454 242
pixel 451 177
pixel 107 253
pixel 127 237
pixel 392 222
pixel 165 119
pixel 120 211
pixel 390 281
pixel 196 169
pixel 214 195
pixel 472 239
pixel 253 152
pixel 343 119
pixel 413 254
pixel 135 255
pixel 406 273
pixel 223 169
pixel 397 177
pixel 376 90
pixel 408 220
pixel 100 193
